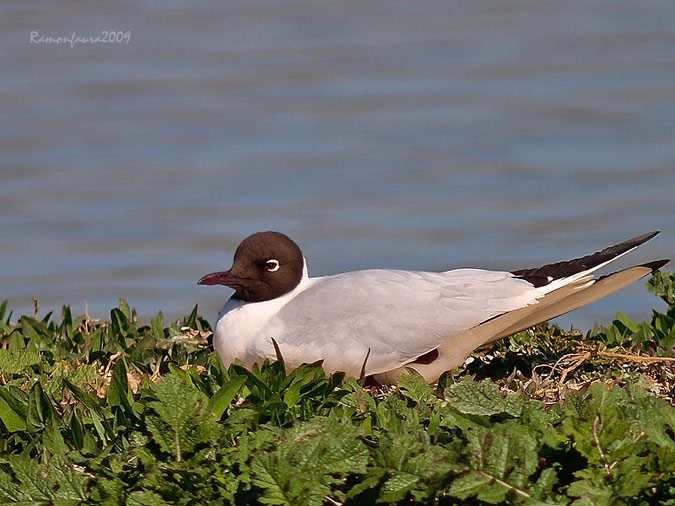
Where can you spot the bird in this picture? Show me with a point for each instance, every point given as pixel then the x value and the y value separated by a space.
pixel 381 322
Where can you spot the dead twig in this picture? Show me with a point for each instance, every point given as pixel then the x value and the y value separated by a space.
pixel 280 357
pixel 362 376
pixel 633 357
pixel 155 374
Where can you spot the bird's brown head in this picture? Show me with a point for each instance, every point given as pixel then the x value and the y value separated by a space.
pixel 266 265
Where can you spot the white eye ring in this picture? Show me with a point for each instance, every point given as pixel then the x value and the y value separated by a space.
pixel 272 265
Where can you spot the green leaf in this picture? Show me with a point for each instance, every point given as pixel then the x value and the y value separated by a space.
pixel 183 419
pixel 626 322
pixel 416 388
pixel 90 402
pixel 191 321
pixel 663 284
pixel 77 430
pixel 484 398
pixel 118 392
pixel 145 498
pixel 224 396
pixel 124 308
pixel 67 321
pixel 504 461
pixel 40 409
pixel 308 463
pixel 620 445
pixel 119 322
pixel 158 326
pixel 17 362
pixel 12 420
pixel 33 489
pixel 469 484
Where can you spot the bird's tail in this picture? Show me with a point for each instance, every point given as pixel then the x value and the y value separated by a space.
pixel 579 293
pixel 565 286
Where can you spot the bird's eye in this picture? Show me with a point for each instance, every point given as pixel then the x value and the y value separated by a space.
pixel 272 265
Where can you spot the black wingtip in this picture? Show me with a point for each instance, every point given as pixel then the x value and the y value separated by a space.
pixel 542 276
pixel 643 238
pixel 634 242
pixel 656 264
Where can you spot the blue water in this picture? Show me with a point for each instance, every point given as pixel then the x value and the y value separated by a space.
pixel 415 135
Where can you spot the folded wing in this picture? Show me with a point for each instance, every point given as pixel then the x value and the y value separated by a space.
pixel 397 315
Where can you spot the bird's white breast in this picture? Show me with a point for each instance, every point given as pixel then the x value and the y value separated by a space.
pixel 239 325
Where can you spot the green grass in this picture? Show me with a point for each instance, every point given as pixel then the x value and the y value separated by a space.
pixel 123 413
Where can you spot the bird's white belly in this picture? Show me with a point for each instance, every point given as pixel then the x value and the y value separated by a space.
pixel 244 331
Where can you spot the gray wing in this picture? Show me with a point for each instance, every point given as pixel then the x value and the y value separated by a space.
pixel 397 315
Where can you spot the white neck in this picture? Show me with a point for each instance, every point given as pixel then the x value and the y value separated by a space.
pixel 305 271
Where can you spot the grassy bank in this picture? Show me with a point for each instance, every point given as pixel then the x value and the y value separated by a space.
pixel 121 412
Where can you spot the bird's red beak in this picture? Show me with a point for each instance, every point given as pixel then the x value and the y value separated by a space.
pixel 220 278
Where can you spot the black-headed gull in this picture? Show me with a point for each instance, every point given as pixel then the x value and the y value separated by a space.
pixel 378 322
